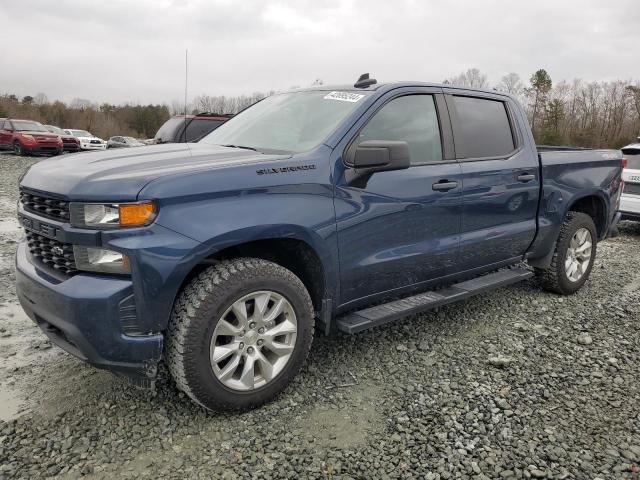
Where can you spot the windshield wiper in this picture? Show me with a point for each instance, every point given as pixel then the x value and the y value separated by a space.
pixel 241 146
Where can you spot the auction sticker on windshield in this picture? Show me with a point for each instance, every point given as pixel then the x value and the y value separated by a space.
pixel 344 96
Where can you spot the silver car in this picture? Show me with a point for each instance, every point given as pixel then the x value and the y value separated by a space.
pixel 124 142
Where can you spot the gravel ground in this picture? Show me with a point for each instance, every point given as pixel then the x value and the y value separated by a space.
pixel 517 383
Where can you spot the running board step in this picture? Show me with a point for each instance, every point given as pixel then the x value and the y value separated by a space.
pixel 355 322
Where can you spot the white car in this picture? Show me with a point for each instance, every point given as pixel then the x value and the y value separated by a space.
pixel 630 200
pixel 88 141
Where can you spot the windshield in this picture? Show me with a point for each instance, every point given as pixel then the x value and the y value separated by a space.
pixel 80 133
pixel 22 126
pixel 289 122
pixel 56 130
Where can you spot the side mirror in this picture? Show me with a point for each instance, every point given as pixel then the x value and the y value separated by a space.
pixel 381 155
pixel 372 156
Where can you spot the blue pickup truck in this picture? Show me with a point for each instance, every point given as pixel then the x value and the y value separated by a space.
pixel 328 209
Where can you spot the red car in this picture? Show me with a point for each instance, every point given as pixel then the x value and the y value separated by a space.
pixel 69 142
pixel 27 137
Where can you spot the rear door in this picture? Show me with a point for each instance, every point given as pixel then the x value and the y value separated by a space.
pixel 400 228
pixel 501 181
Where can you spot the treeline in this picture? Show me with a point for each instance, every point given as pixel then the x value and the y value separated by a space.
pixel 579 113
pixel 104 120
pixel 587 114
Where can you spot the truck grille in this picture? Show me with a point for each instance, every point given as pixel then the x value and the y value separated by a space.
pixel 632 188
pixel 45 206
pixel 52 253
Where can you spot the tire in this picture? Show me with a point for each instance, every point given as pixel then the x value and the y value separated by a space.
pixel 198 315
pixel 555 277
pixel 18 149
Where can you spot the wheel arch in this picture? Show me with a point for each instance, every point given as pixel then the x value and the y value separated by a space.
pixel 595 206
pixel 303 253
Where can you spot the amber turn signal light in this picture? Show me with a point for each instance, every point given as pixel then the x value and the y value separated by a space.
pixel 134 214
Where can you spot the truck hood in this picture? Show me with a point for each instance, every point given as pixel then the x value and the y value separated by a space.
pixel 119 174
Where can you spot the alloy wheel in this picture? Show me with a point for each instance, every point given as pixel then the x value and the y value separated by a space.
pixel 253 340
pixel 578 254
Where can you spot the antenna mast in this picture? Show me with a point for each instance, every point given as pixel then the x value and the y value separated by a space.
pixel 186 82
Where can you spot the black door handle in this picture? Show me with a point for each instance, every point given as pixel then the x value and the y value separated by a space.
pixel 444 185
pixel 526 177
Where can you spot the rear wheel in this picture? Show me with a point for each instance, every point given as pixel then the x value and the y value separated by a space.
pixel 573 257
pixel 239 332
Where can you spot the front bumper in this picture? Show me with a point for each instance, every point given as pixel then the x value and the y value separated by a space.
pixel 43 149
pixel 70 147
pixel 84 315
pixel 93 146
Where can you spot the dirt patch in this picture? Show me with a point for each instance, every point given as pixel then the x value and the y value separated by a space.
pixel 347 425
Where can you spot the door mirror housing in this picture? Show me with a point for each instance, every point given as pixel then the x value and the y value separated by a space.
pixel 372 156
pixel 381 155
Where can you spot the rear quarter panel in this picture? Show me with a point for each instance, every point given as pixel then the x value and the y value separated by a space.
pixel 567 177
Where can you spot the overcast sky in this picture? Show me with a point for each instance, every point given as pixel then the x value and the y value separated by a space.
pixel 133 51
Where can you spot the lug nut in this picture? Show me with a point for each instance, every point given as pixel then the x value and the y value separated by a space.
pixel 250 350
pixel 252 325
pixel 261 330
pixel 260 342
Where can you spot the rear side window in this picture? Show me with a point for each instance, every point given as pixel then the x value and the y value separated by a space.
pixel 482 128
pixel 412 119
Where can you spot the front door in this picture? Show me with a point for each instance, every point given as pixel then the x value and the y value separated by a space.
pixel 402 227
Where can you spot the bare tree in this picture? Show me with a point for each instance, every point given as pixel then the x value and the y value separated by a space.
pixel 40 99
pixel 472 78
pixel 511 83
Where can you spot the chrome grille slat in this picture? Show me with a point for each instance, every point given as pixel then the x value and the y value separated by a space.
pixel 45 206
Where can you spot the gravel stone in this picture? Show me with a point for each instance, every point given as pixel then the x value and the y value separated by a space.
pixel 584 339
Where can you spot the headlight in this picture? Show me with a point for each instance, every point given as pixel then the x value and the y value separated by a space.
pixel 112 215
pixel 93 259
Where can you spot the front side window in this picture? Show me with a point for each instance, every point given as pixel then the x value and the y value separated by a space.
pixel 412 119
pixel 482 128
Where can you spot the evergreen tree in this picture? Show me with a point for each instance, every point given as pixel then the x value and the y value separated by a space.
pixel 538 92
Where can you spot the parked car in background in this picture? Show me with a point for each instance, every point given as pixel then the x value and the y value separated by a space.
pixel 26 137
pixel 124 142
pixel 69 142
pixel 630 201
pixel 197 126
pixel 88 141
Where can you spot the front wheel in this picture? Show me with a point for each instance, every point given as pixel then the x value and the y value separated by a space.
pixel 239 332
pixel 573 257
pixel 18 149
